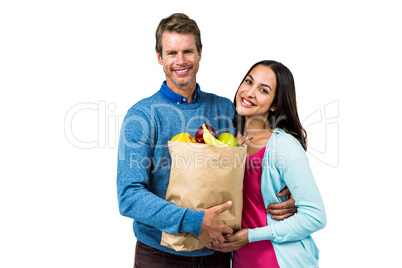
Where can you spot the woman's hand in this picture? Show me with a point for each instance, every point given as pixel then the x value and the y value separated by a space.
pixel 281 211
pixel 233 242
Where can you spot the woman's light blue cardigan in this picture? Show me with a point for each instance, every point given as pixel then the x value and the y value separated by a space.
pixel 285 163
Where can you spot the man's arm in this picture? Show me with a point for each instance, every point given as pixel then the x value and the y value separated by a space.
pixel 133 184
pixel 284 210
pixel 136 167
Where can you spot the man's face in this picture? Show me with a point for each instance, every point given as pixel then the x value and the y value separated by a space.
pixel 180 60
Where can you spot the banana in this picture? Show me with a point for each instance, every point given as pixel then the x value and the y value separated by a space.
pixel 209 138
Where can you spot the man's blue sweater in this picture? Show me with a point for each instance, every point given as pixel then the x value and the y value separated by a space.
pixel 144 161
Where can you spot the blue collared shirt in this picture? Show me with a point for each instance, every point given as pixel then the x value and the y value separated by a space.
pixel 177 98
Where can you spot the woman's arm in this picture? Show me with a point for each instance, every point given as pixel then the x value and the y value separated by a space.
pixel 233 242
pixel 291 162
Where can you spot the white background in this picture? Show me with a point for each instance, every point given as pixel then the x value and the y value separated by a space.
pixel 58 201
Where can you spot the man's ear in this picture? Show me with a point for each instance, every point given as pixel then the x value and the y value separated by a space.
pixel 199 54
pixel 159 57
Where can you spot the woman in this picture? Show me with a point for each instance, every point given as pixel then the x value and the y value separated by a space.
pixel 267 121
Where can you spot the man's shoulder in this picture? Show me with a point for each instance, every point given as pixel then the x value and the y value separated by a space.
pixel 146 103
pixel 211 97
pixel 143 107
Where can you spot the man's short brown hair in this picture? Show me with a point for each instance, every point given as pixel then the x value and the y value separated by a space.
pixel 177 23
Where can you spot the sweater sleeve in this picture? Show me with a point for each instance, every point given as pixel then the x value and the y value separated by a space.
pixel 135 181
pixel 292 164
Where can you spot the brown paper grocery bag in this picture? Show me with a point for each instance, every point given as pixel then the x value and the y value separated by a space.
pixel 203 176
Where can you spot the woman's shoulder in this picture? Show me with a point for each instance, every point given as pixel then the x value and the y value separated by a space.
pixel 284 143
pixel 282 137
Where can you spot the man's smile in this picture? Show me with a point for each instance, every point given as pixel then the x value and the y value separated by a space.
pixel 182 71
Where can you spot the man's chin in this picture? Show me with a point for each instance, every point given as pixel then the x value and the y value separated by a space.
pixel 181 83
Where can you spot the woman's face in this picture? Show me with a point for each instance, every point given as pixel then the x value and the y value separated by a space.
pixel 256 93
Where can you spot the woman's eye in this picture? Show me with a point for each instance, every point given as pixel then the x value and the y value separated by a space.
pixel 263 90
pixel 247 81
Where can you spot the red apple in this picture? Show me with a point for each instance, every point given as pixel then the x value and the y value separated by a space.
pixel 200 131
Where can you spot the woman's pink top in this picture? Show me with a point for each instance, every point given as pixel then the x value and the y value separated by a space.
pixel 261 253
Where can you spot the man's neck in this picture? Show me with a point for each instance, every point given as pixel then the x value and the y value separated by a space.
pixel 186 91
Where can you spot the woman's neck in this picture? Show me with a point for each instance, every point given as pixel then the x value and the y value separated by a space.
pixel 255 128
pixel 256 135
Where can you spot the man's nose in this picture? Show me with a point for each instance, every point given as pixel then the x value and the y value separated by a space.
pixel 180 58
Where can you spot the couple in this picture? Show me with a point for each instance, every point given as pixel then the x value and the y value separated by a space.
pixel 265 118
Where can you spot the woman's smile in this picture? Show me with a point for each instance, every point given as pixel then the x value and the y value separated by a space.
pixel 247 103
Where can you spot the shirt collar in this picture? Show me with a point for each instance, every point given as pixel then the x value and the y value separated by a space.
pixel 177 98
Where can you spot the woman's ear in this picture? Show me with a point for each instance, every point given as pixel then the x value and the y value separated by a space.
pixel 272 109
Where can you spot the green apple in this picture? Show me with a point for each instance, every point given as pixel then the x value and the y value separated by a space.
pixel 228 139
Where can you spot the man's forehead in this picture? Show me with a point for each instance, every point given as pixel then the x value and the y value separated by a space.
pixel 173 40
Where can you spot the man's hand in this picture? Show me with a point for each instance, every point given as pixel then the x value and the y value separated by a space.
pixel 281 211
pixel 212 227
pixel 233 242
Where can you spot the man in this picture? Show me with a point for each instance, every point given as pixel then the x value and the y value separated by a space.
pixel 144 160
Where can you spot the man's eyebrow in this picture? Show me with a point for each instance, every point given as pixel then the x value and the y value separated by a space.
pixel 264 85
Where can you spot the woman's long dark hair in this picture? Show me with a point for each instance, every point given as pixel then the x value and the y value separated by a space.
pixel 285 115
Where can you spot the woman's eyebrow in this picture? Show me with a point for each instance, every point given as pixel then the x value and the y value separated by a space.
pixel 265 85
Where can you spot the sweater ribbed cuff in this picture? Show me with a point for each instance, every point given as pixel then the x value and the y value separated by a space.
pixel 192 222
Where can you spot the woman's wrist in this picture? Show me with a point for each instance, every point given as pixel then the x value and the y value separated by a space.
pixel 261 233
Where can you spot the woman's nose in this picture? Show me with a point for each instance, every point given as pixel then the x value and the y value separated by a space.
pixel 251 92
